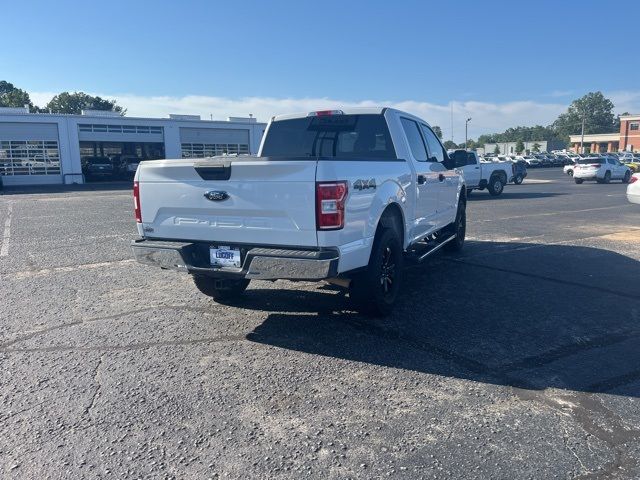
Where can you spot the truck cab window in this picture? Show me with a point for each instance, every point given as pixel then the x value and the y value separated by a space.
pixel 349 137
pixel 435 147
pixel 416 144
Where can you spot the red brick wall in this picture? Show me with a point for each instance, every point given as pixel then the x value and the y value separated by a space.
pixel 629 137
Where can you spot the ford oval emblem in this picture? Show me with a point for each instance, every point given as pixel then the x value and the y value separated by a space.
pixel 216 195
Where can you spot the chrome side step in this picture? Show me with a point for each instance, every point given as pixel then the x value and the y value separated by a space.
pixel 431 249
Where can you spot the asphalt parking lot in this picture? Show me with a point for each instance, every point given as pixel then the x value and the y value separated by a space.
pixel 519 358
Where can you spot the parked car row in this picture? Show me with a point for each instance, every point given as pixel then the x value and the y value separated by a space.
pixel 110 167
pixel 535 160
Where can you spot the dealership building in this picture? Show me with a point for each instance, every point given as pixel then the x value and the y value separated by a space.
pixel 43 148
pixel 627 139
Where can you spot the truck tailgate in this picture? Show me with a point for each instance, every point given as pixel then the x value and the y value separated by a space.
pixel 267 202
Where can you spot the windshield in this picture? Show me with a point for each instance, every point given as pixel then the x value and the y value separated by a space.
pixel 335 136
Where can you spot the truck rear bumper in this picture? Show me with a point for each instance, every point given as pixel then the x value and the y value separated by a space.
pixel 258 262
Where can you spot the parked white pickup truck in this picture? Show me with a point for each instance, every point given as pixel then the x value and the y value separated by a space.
pixel 480 175
pixel 342 196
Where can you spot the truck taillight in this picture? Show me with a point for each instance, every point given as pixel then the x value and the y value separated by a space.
pixel 330 200
pixel 136 202
pixel 633 179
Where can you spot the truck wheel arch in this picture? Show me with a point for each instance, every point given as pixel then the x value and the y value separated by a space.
pixel 503 175
pixel 393 217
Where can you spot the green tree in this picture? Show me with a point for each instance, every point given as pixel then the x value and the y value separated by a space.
pixel 496 150
pixel 597 111
pixel 437 130
pixel 10 96
pixel 535 148
pixel 449 145
pixel 75 102
pixel 472 144
pixel 519 147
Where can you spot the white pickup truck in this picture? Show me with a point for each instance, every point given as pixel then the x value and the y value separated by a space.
pixel 342 196
pixel 480 175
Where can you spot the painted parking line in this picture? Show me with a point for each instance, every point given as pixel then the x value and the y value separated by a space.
pixel 6 234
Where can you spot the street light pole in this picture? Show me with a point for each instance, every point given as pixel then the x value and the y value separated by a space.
pixel 466 132
pixel 582 136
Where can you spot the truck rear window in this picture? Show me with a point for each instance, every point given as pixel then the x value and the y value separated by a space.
pixel 334 136
pixel 587 161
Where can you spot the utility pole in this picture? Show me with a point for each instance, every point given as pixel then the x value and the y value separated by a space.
pixel 582 136
pixel 466 132
pixel 451 122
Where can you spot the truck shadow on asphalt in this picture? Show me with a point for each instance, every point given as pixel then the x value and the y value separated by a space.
pixel 511 195
pixel 522 315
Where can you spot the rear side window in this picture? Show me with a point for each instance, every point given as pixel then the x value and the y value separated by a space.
pixel 412 131
pixel 334 136
pixel 435 148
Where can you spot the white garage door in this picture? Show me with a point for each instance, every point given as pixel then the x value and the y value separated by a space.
pixel 29 149
pixel 209 142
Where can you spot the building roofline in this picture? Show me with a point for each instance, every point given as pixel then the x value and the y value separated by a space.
pixel 593 136
pixel 106 119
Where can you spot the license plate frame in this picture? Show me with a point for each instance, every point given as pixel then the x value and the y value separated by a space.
pixel 221 256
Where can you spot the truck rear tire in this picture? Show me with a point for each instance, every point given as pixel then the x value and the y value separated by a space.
pixel 375 290
pixel 457 228
pixel 518 179
pixel 496 185
pixel 220 289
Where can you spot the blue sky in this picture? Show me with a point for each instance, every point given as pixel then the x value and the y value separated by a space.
pixel 484 58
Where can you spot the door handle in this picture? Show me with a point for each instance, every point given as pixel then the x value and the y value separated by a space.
pixel 421 179
pixel 441 177
pixel 477 168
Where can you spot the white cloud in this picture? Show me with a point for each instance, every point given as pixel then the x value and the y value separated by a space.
pixel 625 101
pixel 486 117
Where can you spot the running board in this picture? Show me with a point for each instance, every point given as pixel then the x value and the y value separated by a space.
pixel 432 249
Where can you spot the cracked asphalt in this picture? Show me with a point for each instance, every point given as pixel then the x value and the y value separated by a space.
pixel 519 358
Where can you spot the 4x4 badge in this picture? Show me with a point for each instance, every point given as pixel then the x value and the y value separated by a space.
pixel 364 184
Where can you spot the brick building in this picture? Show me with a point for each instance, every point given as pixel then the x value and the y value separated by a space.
pixel 630 133
pixel 627 139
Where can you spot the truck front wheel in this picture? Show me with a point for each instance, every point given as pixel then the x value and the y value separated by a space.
pixel 457 228
pixel 375 290
pixel 220 289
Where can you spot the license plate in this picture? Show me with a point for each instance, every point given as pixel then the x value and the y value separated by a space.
pixel 225 257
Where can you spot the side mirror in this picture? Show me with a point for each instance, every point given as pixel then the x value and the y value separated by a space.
pixel 458 159
pixel 449 162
